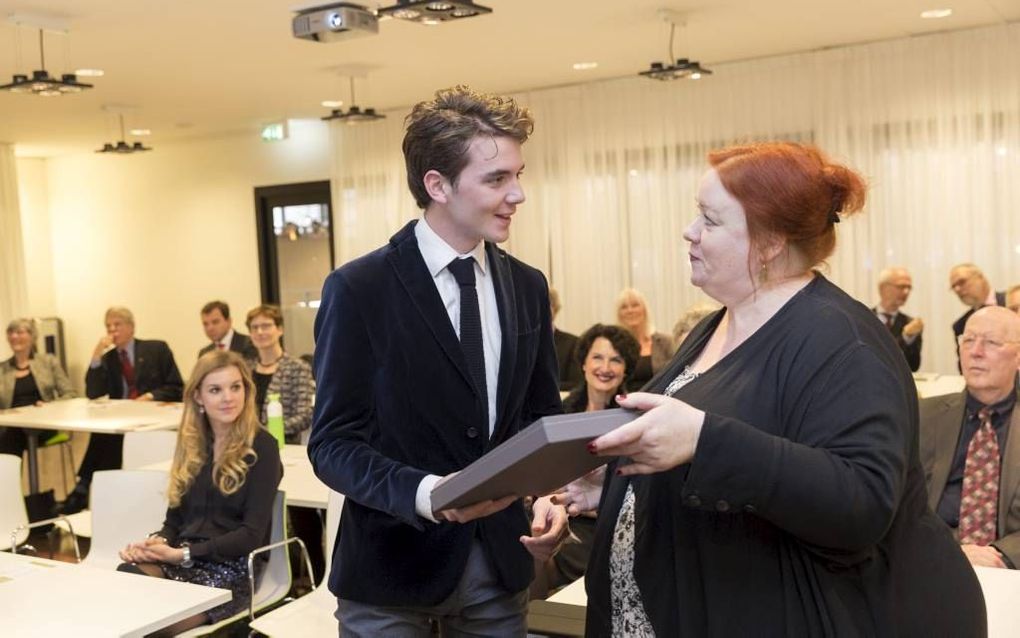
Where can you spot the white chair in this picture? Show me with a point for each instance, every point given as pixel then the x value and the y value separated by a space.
pixel 14 525
pixel 140 449
pixel 126 506
pixel 276 579
pixel 148 447
pixel 312 614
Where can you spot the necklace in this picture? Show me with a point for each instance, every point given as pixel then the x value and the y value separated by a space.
pixel 19 368
pixel 271 363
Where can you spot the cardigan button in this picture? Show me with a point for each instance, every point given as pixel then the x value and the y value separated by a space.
pixel 694 500
pixel 750 509
pixel 722 506
pixel 472 432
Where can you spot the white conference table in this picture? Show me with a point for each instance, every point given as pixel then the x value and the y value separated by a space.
pixel 40 597
pixel 302 487
pixel 930 384
pixel 106 416
pixel 563 612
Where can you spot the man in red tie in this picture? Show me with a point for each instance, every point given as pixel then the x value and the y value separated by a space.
pixel 122 367
pixel 894 286
pixel 970 456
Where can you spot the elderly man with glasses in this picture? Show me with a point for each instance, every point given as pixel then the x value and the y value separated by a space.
pixel 970 456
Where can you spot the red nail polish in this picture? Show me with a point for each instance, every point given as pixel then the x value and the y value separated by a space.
pixel 619 472
pixel 591 448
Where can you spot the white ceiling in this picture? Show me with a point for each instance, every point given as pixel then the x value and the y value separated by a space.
pixel 199 68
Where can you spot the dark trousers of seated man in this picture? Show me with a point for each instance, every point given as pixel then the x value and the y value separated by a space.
pixel 478 606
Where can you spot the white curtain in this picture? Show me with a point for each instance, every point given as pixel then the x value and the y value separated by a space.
pixel 933 122
pixel 12 260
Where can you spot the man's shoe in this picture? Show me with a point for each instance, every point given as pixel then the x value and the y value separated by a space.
pixel 76 502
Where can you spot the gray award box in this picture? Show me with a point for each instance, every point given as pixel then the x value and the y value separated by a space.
pixel 542 457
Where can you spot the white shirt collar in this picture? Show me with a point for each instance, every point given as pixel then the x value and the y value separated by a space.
pixel 227 338
pixel 438 254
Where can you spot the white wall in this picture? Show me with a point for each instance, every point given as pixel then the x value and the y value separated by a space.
pixel 36 240
pixel 161 233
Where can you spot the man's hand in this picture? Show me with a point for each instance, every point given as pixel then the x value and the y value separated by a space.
pixel 144 397
pixel 104 344
pixel 478 510
pixel 548 529
pixel 662 438
pixel 983 556
pixel 582 495
pixel 913 328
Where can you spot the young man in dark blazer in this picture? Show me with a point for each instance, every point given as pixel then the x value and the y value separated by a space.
pixel 431 351
pixel 123 368
pixel 219 328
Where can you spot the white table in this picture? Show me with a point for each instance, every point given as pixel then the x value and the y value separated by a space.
pixel 303 488
pixel 563 612
pixel 103 416
pixel 40 597
pixel 930 384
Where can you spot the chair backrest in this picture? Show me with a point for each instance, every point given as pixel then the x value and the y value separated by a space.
pixel 276 579
pixel 12 503
pixel 334 509
pixel 127 506
pixel 148 447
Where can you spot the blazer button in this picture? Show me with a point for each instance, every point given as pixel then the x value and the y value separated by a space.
pixel 722 506
pixel 750 509
pixel 693 500
pixel 472 432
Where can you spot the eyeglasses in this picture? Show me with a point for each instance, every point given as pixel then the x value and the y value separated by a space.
pixel 959 282
pixel 969 342
pixel 259 327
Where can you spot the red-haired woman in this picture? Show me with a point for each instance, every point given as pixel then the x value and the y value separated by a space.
pixel 773 487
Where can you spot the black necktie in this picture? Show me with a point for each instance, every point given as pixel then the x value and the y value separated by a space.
pixel 463 271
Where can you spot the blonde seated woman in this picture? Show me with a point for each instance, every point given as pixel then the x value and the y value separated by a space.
pixel 223 481
pixel 657 348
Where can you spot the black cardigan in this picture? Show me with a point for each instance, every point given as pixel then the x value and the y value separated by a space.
pixel 803 512
pixel 221 527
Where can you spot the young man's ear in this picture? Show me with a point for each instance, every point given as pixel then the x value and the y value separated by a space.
pixel 436 186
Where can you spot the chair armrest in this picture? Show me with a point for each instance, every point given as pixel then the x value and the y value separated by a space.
pixel 267 548
pixel 48 521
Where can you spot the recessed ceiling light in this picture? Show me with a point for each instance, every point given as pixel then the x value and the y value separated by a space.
pixel 332 104
pixel 584 66
pixel 932 14
pixel 140 131
pixel 90 73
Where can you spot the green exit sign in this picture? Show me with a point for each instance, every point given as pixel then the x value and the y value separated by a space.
pixel 274 132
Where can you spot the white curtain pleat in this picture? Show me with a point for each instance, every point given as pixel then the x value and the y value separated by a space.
pixel 12 259
pixel 933 123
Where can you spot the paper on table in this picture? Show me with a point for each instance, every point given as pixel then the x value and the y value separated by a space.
pixel 543 457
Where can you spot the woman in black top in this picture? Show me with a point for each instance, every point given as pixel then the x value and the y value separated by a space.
pixel 773 486
pixel 223 481
pixel 607 356
pixel 28 378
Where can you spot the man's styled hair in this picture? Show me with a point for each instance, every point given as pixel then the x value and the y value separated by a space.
pixel 217 305
pixel 439 133
pixel 120 312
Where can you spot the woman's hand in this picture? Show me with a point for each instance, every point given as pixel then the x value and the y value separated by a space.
pixel 582 495
pixel 662 438
pixel 152 550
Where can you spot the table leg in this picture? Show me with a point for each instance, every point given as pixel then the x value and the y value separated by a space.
pixel 32 438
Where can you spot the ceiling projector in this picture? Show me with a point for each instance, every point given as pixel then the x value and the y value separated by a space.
pixel 332 22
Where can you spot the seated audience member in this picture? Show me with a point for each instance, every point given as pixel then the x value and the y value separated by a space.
pixel 894 286
pixel 570 372
pixel 276 372
pixel 657 348
pixel 28 378
pixel 607 355
pixel 973 289
pixel 220 329
pixel 691 318
pixel 223 481
pixel 1013 298
pixel 969 449
pixel 122 367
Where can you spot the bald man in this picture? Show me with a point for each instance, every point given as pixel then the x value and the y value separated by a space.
pixel 973 289
pixel 894 286
pixel 970 455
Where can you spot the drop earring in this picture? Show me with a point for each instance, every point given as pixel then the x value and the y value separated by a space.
pixel 201 409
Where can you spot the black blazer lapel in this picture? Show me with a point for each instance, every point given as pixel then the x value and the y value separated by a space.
pixel 413 274
pixel 506 305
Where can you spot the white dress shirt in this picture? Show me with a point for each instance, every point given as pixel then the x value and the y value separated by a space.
pixel 437 255
pixel 227 338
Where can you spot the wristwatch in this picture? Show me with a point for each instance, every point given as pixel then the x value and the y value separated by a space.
pixel 187 562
